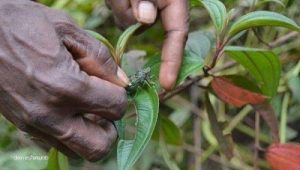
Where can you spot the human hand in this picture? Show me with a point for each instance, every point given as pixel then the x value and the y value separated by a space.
pixel 174 17
pixel 52 72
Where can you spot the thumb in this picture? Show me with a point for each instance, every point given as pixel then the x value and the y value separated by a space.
pixel 145 11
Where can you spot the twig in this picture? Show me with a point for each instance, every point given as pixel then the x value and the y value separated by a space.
pixel 193 108
pixel 283 117
pixel 261 40
pixel 214 158
pixel 284 39
pixel 167 95
pixel 163 96
pixel 257 146
pixel 219 53
pixel 196 128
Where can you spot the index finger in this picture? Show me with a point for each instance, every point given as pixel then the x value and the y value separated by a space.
pixel 175 22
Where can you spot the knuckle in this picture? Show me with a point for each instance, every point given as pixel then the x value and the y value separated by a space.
pixel 36 119
pixel 180 33
pixel 68 87
pixel 76 87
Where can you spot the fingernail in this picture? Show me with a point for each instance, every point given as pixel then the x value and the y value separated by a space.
pixel 147 12
pixel 123 77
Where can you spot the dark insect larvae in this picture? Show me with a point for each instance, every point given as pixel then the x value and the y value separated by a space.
pixel 139 79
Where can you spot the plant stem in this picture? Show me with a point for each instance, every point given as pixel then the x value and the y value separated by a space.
pixel 283 117
pixel 219 53
pixel 196 127
pixel 260 39
pixel 237 120
pixel 167 95
pixel 163 96
pixel 284 39
pixel 257 145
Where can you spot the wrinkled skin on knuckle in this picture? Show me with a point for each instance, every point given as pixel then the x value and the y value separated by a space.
pixel 64 29
pixel 37 117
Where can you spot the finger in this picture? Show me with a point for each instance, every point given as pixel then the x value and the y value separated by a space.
pixel 46 141
pixel 14 113
pixel 92 56
pixel 87 94
pixel 145 11
pixel 82 136
pixel 122 12
pixel 174 17
pixel 102 98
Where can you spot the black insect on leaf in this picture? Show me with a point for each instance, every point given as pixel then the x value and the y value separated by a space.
pixel 140 78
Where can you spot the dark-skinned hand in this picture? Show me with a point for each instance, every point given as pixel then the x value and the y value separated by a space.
pixel 52 72
pixel 174 17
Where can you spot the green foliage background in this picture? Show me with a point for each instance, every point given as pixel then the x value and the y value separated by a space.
pixel 172 146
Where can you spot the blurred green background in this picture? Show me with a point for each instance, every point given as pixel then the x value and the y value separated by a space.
pixel 178 118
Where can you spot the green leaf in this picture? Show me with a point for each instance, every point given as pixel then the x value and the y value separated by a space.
pixel 53 159
pixel 194 3
pixel 147 104
pixel 165 154
pixel 263 65
pixel 243 82
pixel 262 18
pixel 123 39
pixel 275 1
pixel 167 129
pixel 63 161
pixel 217 12
pixel 118 51
pixel 293 83
pixel 57 161
pixel 199 44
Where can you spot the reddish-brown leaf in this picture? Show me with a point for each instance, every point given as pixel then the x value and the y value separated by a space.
pixel 284 156
pixel 235 95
